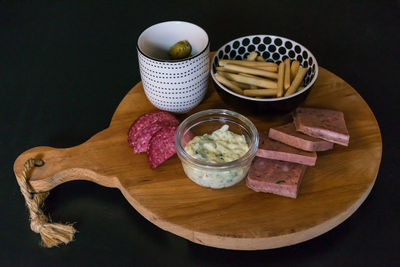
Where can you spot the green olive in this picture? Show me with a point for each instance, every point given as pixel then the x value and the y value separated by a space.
pixel 181 49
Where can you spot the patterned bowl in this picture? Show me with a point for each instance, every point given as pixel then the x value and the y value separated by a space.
pixel 174 85
pixel 273 49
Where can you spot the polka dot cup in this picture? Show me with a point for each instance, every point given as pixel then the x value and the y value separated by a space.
pixel 174 85
pixel 273 49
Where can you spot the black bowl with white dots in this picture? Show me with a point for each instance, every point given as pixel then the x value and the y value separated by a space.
pixel 272 49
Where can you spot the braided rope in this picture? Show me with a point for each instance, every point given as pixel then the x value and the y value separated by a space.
pixel 52 234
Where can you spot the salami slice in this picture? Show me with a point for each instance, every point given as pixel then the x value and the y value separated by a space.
pixel 146 120
pixel 141 144
pixel 162 146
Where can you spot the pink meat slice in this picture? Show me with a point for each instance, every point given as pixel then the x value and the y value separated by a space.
pixel 146 120
pixel 322 123
pixel 142 141
pixel 276 177
pixel 162 146
pixel 288 135
pixel 271 149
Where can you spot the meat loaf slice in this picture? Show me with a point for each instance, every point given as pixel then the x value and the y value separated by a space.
pixel 141 143
pixel 271 149
pixel 287 134
pixel 146 120
pixel 322 123
pixel 162 146
pixel 276 177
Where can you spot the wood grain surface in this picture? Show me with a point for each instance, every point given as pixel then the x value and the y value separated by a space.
pixel 235 217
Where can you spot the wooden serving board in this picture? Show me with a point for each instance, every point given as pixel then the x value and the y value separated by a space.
pixel 235 217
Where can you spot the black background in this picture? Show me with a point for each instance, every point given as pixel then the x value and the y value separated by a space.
pixel 65 66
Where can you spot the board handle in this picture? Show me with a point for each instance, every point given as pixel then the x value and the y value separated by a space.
pixel 61 165
pixel 40 169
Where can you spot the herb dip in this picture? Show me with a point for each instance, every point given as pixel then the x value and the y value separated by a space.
pixel 220 146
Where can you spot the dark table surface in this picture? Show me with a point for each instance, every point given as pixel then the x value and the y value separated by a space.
pixel 64 68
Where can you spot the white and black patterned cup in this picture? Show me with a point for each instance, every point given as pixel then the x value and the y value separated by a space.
pixel 174 85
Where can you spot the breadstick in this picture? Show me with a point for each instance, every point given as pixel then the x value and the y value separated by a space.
pixel 296 81
pixel 241 85
pixel 248 75
pixel 247 70
pixel 251 76
pixel 281 73
pixel 271 69
pixel 224 70
pixel 260 82
pixel 260 58
pixel 247 63
pixel 293 69
pixel 252 56
pixel 260 92
pixel 286 81
pixel 225 74
pixel 228 84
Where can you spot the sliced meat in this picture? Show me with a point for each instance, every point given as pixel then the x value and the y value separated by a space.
pixel 146 120
pixel 322 123
pixel 287 134
pixel 271 149
pixel 276 177
pixel 162 146
pixel 141 144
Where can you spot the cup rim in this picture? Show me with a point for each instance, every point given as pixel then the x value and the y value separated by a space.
pixel 250 154
pixel 172 60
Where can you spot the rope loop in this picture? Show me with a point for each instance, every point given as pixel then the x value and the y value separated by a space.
pixel 52 234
